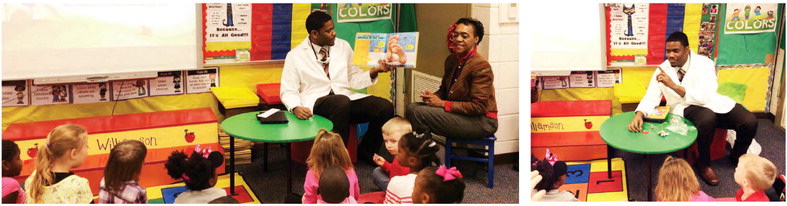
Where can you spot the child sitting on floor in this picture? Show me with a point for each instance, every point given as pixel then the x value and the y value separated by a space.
pixel 439 185
pixel 392 132
pixel 198 172
pixel 328 150
pixel 676 182
pixel 553 173
pixel 416 151
pixel 12 166
pixel 754 174
pixel 52 182
pixel 120 184
pixel 334 187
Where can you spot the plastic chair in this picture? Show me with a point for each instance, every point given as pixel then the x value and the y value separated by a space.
pixel 488 142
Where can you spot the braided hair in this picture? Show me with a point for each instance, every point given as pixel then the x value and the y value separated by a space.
pixel 421 145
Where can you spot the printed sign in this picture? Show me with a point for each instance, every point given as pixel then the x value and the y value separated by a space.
pixel 582 79
pixel 227 22
pixel 609 78
pixel 167 83
pixel 50 94
pixel 90 93
pixel 200 81
pixel 16 93
pixel 129 89
pixel 748 18
pixel 360 12
pixel 554 82
pixel 628 24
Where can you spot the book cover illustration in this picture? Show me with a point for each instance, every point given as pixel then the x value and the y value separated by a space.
pixel 400 49
pixel 658 115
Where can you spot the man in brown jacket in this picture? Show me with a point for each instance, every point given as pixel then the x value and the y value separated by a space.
pixel 464 107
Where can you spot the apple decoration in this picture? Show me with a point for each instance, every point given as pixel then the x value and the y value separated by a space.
pixel 32 151
pixel 588 125
pixel 189 136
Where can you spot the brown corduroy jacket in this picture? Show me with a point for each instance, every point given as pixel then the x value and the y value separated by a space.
pixel 473 93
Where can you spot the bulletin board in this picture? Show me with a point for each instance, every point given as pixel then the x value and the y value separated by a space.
pixel 743 59
pixel 242 32
pixel 637 32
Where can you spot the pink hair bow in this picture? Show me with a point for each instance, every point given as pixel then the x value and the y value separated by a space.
pixel 448 174
pixel 204 152
pixel 552 158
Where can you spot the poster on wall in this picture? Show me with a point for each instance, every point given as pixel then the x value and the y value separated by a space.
pixel 582 79
pixel 91 93
pixel 362 12
pixel 628 25
pixel 200 81
pixel 609 77
pixel 749 18
pixel 227 30
pixel 16 93
pixel 50 94
pixel 129 89
pixel 167 83
pixel 554 82
pixel 747 84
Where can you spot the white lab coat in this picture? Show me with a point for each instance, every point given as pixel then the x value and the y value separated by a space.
pixel 700 83
pixel 303 79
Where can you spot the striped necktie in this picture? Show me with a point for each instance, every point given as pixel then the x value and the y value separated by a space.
pixel 681 73
pixel 325 55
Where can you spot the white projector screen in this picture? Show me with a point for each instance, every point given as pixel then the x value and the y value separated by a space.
pixel 573 40
pixel 43 40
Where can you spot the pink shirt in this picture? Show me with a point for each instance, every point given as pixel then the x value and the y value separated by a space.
pixel 10 185
pixel 701 197
pixel 311 183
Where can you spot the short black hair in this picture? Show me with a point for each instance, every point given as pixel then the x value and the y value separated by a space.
pixel 679 37
pixel 316 20
pixel 334 186
pixel 10 148
pixel 477 26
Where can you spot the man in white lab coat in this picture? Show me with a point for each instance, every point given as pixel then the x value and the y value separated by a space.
pixel 317 78
pixel 688 82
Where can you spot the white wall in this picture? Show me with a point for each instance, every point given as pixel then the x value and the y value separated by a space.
pixel 500 46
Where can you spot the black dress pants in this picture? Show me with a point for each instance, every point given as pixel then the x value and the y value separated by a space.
pixel 739 119
pixel 342 112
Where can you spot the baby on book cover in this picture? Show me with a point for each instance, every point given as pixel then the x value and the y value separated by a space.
pixel 400 49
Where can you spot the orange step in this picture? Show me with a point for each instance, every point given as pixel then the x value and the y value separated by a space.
pixel 569 146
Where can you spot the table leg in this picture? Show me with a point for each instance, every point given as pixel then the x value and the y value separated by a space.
pixel 232 166
pixel 650 176
pixel 289 169
pixel 610 151
pixel 265 157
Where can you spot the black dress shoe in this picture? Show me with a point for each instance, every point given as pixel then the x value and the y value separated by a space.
pixel 708 175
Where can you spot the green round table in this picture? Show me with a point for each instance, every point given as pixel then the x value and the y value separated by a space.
pixel 246 126
pixel 614 131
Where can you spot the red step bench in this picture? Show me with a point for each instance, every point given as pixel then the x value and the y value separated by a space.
pixel 569 146
pixel 162 132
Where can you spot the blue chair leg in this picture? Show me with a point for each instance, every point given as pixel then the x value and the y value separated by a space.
pixel 491 167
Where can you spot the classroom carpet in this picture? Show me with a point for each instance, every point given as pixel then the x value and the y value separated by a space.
pixel 589 182
pixel 165 194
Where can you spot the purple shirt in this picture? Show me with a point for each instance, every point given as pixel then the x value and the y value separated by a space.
pixel 129 193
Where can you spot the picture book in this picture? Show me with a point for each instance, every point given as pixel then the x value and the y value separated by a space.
pixel 658 115
pixel 400 49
